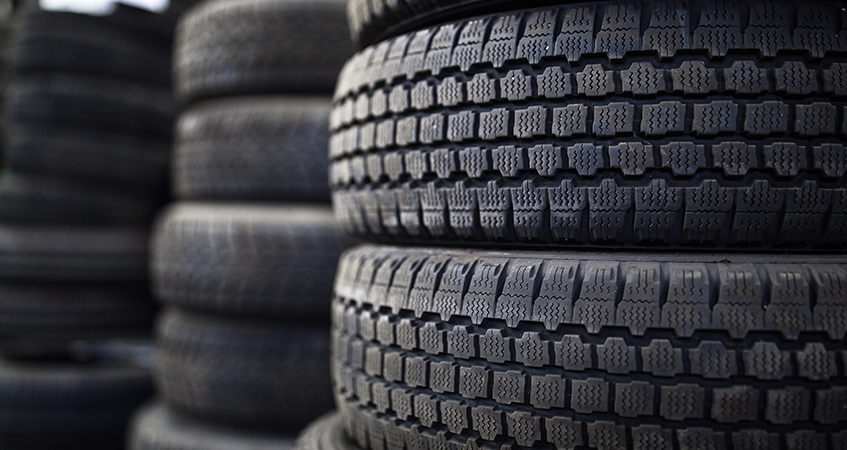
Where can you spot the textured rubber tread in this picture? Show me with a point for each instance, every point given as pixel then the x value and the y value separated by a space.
pixel 249 259
pixel 68 311
pixel 374 20
pixel 253 148
pixel 608 125
pixel 326 433
pixel 156 427
pixel 54 253
pixel 97 156
pixel 74 43
pixel 226 47
pixel 264 374
pixel 597 350
pixel 139 109
pixel 68 406
pixel 46 200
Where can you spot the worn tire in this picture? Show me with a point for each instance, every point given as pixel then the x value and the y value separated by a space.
pixel 234 370
pixel 508 129
pixel 68 406
pixel 268 148
pixel 32 199
pixel 55 253
pixel 326 433
pixel 138 109
pixel 605 350
pixel 260 259
pixel 156 427
pixel 85 155
pixel 226 47
pixel 80 44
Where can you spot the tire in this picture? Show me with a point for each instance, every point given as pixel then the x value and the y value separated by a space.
pixel 79 44
pixel 605 350
pixel 29 199
pixel 554 147
pixel 137 109
pixel 53 253
pixel 253 149
pixel 242 371
pixel 68 406
pixel 372 21
pixel 326 433
pixel 89 156
pixel 53 314
pixel 256 260
pixel 226 47
pixel 156 27
pixel 155 427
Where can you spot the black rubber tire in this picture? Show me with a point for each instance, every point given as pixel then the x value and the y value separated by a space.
pixel 54 253
pixel 158 28
pixel 225 47
pixel 247 259
pixel 68 406
pixel 138 109
pixel 253 148
pixel 156 427
pixel 601 124
pixel 326 433
pixel 43 200
pixel 605 350
pixel 80 44
pixel 372 21
pixel 264 374
pixel 64 312
pixel 91 156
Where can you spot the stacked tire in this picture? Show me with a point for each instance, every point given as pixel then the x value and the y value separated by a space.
pixel 645 207
pixel 242 261
pixel 87 119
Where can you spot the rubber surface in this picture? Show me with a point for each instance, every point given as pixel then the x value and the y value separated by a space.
pixel 156 27
pixel 638 125
pixel 155 427
pixel 247 259
pixel 326 433
pixel 69 311
pixel 372 21
pixel 253 148
pixel 82 44
pixel 43 200
pixel 98 156
pixel 55 253
pixel 597 350
pixel 68 406
pixel 266 374
pixel 226 47
pixel 139 109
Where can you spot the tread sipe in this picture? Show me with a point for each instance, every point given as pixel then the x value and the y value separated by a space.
pixel 266 374
pixel 629 124
pixel 247 259
pixel 156 427
pixel 225 47
pixel 615 351
pixel 252 148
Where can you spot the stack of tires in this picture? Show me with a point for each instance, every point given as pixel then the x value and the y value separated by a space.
pixel 655 196
pixel 87 119
pixel 244 260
